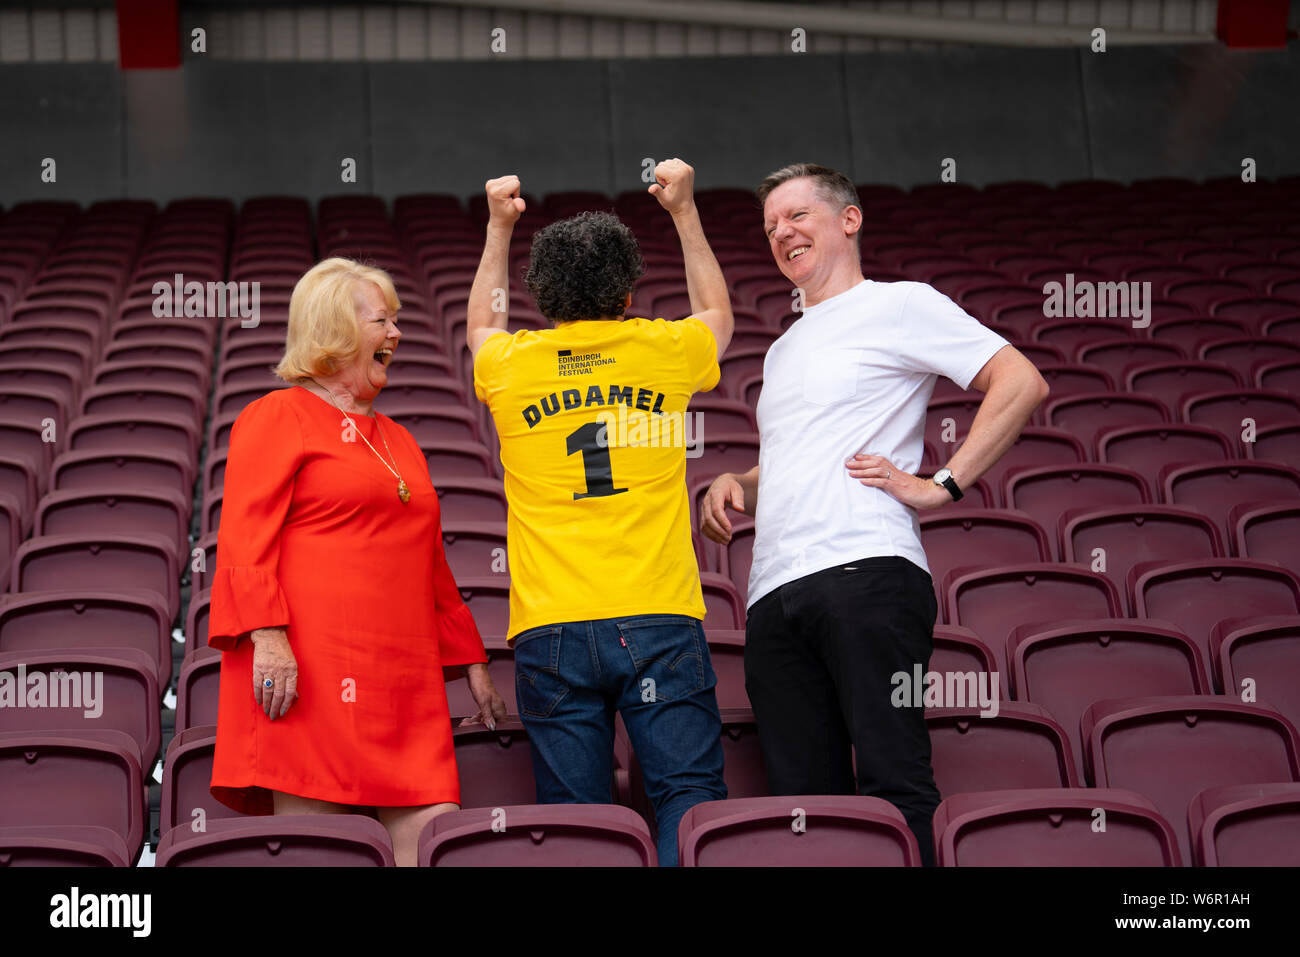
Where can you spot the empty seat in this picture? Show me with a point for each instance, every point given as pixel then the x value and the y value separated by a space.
pixel 1169 749
pixel 1148 449
pixel 123 468
pixel 796 831
pixel 1053 827
pixel 723 605
pixel 161 512
pixel 1233 411
pixel 1279 444
pixel 1021 746
pixel 474 548
pixel 538 835
pixel 1191 332
pixel 471 500
pixel 74 691
pixel 1267 532
pixel 1088 415
pixel 1194 595
pixel 1034 447
pixel 1259 655
pixel 979 538
pixel 1112 540
pixel 727 655
pixel 88 779
pixel 62 845
pixel 1046 493
pixel 958 650
pixel 488 599
pixel 1246 825
pixel 280 840
pixel 1172 382
pixel 99 562
pixel 1067 666
pixel 457 460
pixel 156 430
pixel 1214 488
pixel 993 602
pixel 1120 357
pixel 496 766
pixel 198 689
pixel 187 799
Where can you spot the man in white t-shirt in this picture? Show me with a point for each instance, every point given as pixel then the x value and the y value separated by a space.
pixel 840 596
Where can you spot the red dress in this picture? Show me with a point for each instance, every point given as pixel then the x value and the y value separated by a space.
pixel 314 537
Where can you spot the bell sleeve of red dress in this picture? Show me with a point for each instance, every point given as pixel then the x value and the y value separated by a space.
pixel 459 642
pixel 266 450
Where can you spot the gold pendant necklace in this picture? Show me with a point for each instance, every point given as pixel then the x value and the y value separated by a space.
pixel 403 492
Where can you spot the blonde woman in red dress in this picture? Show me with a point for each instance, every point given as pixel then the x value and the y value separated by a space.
pixel 332 600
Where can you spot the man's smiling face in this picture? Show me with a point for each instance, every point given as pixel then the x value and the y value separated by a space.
pixel 808 237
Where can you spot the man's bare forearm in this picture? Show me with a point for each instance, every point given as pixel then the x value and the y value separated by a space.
pixel 493 274
pixel 1001 416
pixel 749 486
pixel 705 284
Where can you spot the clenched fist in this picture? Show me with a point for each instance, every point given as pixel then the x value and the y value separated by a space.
pixel 674 185
pixel 503 199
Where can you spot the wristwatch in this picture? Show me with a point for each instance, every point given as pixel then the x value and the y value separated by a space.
pixel 944 477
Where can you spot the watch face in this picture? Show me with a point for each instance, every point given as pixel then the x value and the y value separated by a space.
pixel 942 475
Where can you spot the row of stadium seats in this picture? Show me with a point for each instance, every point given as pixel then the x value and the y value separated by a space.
pixel 1136 542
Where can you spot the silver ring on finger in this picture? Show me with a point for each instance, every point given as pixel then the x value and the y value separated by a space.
pixel 268 683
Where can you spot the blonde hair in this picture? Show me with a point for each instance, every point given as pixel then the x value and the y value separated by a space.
pixel 323 331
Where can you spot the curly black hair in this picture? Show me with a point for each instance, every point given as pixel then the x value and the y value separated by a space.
pixel 583 267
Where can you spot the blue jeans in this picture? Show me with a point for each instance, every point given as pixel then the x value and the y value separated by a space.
pixel 570 678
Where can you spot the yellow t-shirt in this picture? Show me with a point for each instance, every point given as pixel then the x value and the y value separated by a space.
pixel 592 421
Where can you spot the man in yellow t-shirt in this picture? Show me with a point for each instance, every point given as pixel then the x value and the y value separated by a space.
pixel 605 601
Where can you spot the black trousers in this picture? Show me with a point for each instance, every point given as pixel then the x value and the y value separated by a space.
pixel 820 653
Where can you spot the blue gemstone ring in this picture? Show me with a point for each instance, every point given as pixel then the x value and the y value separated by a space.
pixel 268 683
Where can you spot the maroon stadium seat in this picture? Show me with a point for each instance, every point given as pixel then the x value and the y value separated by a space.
pixel 88 620
pixel 187 800
pixel 1194 595
pixel 1260 654
pixel 970 538
pixel 496 766
pixel 88 690
pixel 1279 444
pixel 1068 665
pixel 1147 449
pixel 1216 487
pixel 1119 537
pixel 1169 749
pixel 1053 827
pixel 993 602
pixel 1267 532
pixel 1246 825
pixel 1021 747
pixel 796 831
pixel 99 562
pixel 288 840
pixel 88 779
pixel 538 835
pixel 1047 493
pixel 1171 382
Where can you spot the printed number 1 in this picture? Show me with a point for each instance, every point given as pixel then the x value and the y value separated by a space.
pixel 595 461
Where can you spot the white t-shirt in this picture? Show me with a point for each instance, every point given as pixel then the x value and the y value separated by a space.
pixel 853 374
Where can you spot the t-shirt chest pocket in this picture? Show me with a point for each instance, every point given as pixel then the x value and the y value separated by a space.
pixel 831 375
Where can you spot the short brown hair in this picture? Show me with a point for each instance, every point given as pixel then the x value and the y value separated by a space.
pixel 832 185
pixel 323 333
